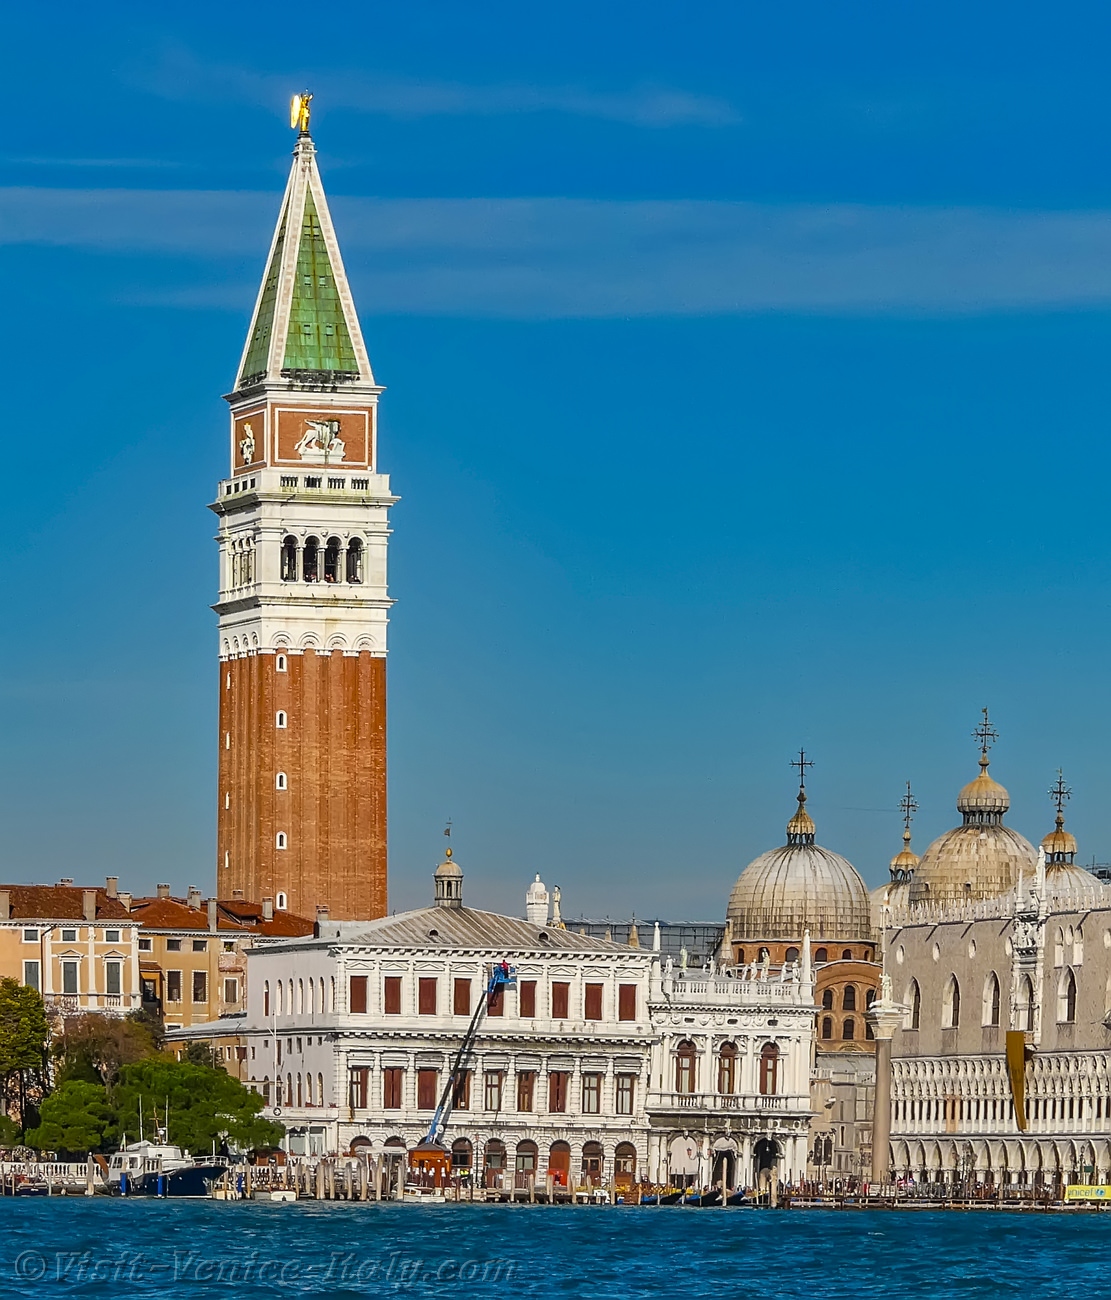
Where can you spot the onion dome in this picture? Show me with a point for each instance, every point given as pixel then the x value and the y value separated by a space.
pixel 799 887
pixel 981 858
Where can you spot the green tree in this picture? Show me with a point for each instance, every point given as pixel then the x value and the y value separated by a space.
pixel 24 1048
pixel 206 1105
pixel 77 1117
pixel 94 1048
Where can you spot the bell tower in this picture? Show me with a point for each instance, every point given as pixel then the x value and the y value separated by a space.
pixel 303 605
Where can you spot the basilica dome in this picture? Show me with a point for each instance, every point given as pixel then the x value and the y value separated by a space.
pixel 800 887
pixel 981 858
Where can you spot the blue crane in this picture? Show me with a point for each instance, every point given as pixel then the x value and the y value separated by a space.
pixel 501 976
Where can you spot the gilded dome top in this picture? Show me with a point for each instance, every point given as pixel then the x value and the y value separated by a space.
pixel 800 887
pixel 983 797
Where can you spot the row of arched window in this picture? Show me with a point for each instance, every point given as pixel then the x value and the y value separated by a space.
pixel 303 1096
pixel 990 1012
pixel 848 998
pixel 310 997
pixel 728 1074
pixel 318 561
pixel 848 1029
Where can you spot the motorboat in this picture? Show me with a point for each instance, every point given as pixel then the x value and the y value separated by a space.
pixel 160 1169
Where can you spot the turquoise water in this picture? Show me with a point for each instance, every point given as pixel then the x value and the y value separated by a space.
pixel 73 1247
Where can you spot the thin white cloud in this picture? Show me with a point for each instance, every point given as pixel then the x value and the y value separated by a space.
pixel 178 74
pixel 536 258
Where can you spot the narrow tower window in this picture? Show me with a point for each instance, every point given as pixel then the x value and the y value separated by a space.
pixel 331 560
pixel 354 560
pixel 280 902
pixel 280 719
pixel 289 559
pixel 280 840
pixel 280 664
pixel 280 782
pixel 310 559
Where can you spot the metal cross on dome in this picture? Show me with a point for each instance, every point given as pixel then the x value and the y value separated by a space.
pixel 802 763
pixel 986 734
pixel 908 805
pixel 1060 793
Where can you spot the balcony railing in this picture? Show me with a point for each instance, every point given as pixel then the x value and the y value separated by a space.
pixel 714 1101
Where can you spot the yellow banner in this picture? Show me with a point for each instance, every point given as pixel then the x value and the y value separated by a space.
pixel 1016 1072
pixel 1082 1192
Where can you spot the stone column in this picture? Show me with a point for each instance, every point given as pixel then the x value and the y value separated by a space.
pixel 885 1016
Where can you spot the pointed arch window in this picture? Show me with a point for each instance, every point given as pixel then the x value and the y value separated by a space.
pixel 310 560
pixel 951 1004
pixel 332 560
pixel 915 1001
pixel 1026 1005
pixel 289 559
pixel 355 560
pixel 1066 998
pixel 991 1000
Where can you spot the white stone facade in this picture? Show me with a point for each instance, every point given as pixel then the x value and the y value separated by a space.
pixel 604 1062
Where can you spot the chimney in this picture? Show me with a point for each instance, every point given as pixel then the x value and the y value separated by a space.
pixel 267 909
pixel 88 904
pixel 65 882
pixel 322 912
pixel 112 886
pixel 193 898
pixel 212 915
pixel 125 899
pixel 5 904
pixel 163 891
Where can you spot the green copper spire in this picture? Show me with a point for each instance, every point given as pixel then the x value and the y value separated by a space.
pixel 304 330
pixel 317 338
pixel 258 349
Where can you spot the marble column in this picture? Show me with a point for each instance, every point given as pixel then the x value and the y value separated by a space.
pixel 885 1016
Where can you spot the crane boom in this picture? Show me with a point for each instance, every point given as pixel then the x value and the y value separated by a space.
pixel 501 976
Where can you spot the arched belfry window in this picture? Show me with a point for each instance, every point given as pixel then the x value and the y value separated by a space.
pixel 289 559
pixel 769 1069
pixel 310 560
pixel 354 560
pixel 332 561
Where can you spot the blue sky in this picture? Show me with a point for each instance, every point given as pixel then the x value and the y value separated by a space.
pixel 747 389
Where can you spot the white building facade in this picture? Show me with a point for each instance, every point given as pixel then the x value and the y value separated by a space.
pixel 601 1063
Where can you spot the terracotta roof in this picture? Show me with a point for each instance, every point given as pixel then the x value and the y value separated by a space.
pixel 235 915
pixel 60 903
pixel 168 914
